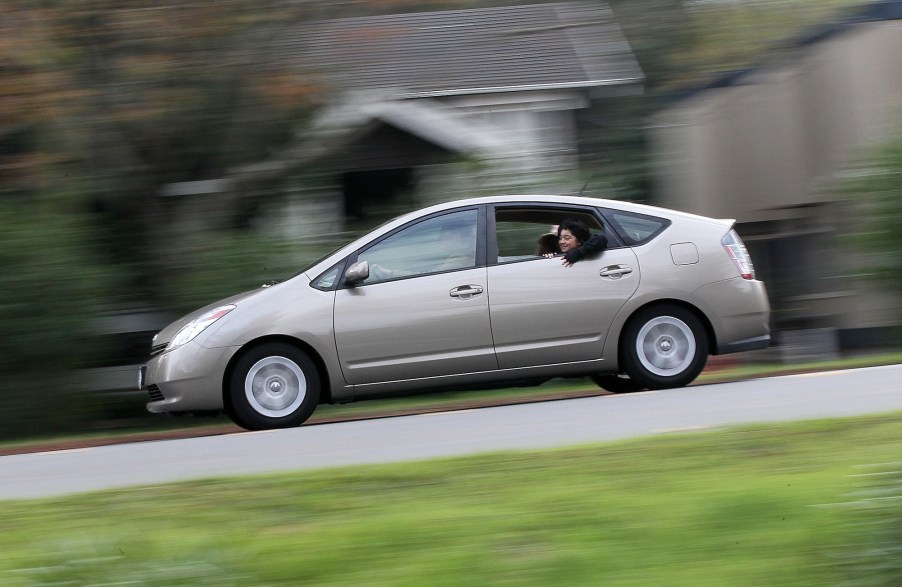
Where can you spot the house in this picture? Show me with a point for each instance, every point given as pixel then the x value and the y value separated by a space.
pixel 761 145
pixel 432 104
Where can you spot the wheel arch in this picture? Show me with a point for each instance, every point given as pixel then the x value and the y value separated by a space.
pixel 709 328
pixel 325 392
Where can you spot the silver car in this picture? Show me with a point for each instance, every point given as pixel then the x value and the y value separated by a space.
pixel 456 296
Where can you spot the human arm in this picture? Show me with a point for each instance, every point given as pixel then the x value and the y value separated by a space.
pixel 380 273
pixel 594 244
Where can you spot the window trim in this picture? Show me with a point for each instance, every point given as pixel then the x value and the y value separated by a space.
pixel 629 242
pixel 342 267
pixel 614 239
pixel 480 246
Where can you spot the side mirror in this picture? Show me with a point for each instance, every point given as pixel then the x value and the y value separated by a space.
pixel 357 272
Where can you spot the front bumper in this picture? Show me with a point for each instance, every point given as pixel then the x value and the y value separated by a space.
pixel 187 379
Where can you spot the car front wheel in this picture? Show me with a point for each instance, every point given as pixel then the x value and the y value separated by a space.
pixel 273 386
pixel 664 346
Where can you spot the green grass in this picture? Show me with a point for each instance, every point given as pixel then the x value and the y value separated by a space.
pixel 742 506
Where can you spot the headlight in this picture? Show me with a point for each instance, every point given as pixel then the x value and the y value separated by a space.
pixel 196 326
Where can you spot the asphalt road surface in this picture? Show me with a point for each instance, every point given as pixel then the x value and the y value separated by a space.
pixel 528 426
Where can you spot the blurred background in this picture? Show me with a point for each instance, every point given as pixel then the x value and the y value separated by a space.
pixel 158 156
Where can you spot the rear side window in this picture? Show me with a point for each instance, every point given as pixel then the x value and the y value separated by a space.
pixel 527 232
pixel 635 229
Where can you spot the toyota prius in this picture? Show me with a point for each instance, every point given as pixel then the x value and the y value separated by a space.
pixel 459 295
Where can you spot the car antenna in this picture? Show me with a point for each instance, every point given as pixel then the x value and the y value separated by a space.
pixel 585 185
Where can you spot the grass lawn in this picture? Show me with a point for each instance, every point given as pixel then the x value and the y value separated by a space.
pixel 761 505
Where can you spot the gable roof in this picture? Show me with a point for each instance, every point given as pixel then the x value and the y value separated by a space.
pixel 474 51
pixel 427 119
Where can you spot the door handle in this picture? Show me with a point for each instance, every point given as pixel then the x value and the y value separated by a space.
pixel 466 291
pixel 615 271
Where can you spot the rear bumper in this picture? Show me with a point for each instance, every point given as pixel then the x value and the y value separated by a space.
pixel 739 312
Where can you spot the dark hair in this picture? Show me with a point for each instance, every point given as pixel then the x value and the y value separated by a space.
pixel 576 227
pixel 547 243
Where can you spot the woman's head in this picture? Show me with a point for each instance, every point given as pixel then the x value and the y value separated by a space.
pixel 571 234
pixel 547 244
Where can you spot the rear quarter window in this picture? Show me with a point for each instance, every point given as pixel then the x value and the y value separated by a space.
pixel 635 229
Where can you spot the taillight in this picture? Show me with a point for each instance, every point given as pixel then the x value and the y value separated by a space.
pixel 737 251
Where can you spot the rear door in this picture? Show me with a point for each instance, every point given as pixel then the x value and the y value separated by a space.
pixel 542 312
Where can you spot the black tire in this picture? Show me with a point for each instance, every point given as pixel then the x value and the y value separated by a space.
pixel 664 346
pixel 274 385
pixel 616 383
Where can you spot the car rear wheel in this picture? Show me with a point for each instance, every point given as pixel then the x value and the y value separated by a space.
pixel 273 386
pixel 616 383
pixel 664 346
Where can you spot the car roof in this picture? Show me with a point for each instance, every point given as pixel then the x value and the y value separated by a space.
pixel 563 199
pixel 511 199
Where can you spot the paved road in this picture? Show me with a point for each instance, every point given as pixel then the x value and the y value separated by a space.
pixel 528 426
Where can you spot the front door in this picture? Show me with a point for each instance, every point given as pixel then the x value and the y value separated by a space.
pixel 423 311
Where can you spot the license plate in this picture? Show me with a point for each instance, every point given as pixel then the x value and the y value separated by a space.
pixel 142 373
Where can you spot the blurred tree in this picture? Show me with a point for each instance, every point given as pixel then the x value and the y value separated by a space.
pixel 104 103
pixel 49 292
pixel 874 221
pixel 182 93
pixel 135 95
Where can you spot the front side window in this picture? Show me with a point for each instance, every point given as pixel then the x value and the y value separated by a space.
pixel 441 243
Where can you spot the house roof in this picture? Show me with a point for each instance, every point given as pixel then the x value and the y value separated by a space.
pixel 474 51
pixel 426 119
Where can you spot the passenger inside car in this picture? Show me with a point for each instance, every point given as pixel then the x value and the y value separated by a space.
pixel 576 242
pixel 547 244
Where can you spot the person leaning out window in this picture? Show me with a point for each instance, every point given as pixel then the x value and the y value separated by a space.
pixel 576 242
